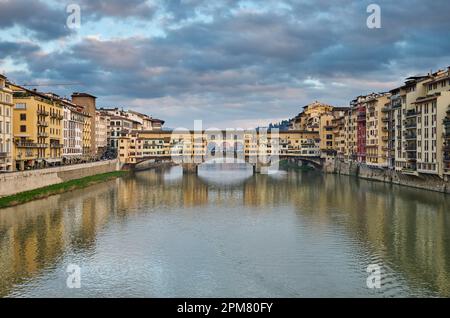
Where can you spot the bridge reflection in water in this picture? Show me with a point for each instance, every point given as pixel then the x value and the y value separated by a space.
pixel 150 233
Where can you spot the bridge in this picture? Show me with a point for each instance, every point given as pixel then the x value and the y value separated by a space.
pixel 192 149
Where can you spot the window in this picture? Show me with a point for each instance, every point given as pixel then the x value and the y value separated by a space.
pixel 23 128
pixel 23 116
pixel 21 106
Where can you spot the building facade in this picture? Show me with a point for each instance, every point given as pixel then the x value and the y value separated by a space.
pixel 102 126
pixel 377 129
pixel 6 134
pixel 38 129
pixel 88 102
pixel 73 132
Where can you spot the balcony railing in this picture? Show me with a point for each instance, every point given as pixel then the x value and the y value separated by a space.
pixel 42 134
pixel 410 136
pixel 42 112
pixel 3 155
pixel 411 148
pixel 42 123
pixel 29 144
pixel 409 170
pixel 412 113
pixel 396 104
pixel 411 125
pixel 55 145
pixel 57 116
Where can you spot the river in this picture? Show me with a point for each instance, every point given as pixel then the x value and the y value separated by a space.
pixel 228 233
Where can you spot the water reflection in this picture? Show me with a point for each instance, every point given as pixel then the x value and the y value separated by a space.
pixel 228 233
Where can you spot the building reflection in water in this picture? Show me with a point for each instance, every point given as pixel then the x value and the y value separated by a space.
pixel 406 230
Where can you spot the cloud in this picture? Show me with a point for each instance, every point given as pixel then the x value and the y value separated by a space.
pixel 234 61
pixel 35 18
pixel 141 9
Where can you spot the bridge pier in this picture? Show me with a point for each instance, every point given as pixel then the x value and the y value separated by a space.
pixel 190 168
pixel 261 168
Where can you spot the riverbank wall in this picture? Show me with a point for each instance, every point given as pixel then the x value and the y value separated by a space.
pixel 16 182
pixel 147 165
pixel 421 181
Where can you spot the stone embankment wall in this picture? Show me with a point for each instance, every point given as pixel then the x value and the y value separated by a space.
pixel 15 182
pixel 422 181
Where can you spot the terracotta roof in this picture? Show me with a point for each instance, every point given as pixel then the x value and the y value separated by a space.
pixel 76 94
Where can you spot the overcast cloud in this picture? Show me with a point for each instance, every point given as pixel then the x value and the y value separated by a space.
pixel 230 63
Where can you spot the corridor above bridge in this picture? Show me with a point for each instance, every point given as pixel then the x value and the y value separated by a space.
pixel 185 147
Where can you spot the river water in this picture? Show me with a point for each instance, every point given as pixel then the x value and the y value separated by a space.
pixel 228 233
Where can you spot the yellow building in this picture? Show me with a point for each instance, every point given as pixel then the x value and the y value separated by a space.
pixel 350 130
pixel 340 135
pixel 377 137
pixel 102 124
pixel 87 137
pixel 37 129
pixel 6 136
pixel 321 118
pixel 309 119
pixel 446 156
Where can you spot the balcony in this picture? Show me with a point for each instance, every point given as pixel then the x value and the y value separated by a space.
pixel 385 119
pixel 56 145
pixel 396 104
pixel 41 112
pixel 411 148
pixel 42 123
pixel 410 136
pixel 411 126
pixel 57 116
pixel 42 134
pixel 411 113
pixel 3 155
pixel 26 144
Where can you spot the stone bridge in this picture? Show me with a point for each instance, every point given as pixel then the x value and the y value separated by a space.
pixel 190 166
pixel 191 149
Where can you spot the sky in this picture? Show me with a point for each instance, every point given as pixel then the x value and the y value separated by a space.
pixel 232 64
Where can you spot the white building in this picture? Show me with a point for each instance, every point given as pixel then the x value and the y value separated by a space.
pixel 6 104
pixel 73 124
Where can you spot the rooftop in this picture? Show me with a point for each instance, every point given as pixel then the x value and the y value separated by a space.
pixel 77 94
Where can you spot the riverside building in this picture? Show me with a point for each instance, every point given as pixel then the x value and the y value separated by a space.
pixel 6 134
